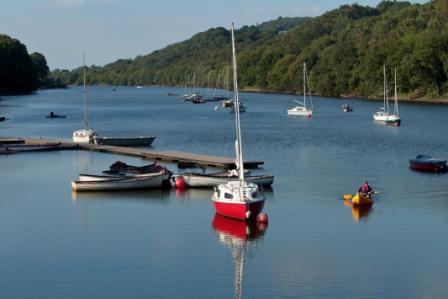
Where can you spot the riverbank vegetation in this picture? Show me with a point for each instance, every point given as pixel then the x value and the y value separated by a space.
pixel 344 50
pixel 20 72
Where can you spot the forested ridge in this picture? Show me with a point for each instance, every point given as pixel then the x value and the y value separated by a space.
pixel 344 49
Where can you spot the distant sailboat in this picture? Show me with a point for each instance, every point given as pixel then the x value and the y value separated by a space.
pixel 302 109
pixel 383 115
pixel 84 135
pixel 346 107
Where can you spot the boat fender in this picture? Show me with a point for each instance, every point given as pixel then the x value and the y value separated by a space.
pixel 180 183
pixel 262 218
pixel 248 214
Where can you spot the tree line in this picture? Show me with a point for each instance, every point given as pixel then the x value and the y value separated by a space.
pixel 344 49
pixel 20 72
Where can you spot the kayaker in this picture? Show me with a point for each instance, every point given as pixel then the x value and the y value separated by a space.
pixel 365 189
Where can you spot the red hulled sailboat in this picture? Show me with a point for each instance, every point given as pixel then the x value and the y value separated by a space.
pixel 238 199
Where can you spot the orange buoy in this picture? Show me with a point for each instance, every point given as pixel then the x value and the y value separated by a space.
pixel 262 218
pixel 180 183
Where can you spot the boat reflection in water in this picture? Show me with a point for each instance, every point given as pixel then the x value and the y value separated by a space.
pixel 150 195
pixel 360 212
pixel 193 194
pixel 240 237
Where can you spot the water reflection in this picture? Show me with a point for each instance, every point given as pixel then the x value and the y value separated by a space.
pixel 359 212
pixel 160 195
pixel 240 237
pixel 194 194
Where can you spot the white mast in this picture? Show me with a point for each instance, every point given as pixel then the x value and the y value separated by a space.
pixel 304 84
pixel 84 95
pixel 396 95
pixel 239 149
pixel 386 100
pixel 185 80
pixel 227 82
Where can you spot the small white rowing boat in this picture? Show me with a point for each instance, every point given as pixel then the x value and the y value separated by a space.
pixel 110 184
pixel 93 177
pixel 210 180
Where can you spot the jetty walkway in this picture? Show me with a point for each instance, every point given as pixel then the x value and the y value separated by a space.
pixel 167 156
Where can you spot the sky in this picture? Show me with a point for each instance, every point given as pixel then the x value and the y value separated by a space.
pixel 108 30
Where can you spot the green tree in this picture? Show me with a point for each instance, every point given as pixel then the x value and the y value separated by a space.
pixel 17 73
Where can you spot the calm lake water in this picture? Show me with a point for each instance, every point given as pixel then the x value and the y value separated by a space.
pixel 163 244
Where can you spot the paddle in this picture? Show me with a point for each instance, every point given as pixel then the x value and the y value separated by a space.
pixel 350 196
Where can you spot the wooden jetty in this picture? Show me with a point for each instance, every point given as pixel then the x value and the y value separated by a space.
pixel 167 156
pixel 11 141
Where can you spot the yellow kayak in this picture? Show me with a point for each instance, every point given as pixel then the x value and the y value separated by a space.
pixel 361 200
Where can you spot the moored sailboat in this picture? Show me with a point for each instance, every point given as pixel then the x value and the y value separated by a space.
pixel 383 115
pixel 84 135
pixel 302 109
pixel 238 199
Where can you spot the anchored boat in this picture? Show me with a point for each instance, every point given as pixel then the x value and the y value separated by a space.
pixel 238 199
pixel 383 115
pixel 124 141
pixel 102 184
pixel 84 135
pixel 302 109
pixel 428 164
pixel 209 180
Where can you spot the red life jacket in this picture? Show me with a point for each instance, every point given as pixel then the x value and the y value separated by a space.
pixel 365 188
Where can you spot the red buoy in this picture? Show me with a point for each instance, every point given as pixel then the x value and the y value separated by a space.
pixel 262 218
pixel 180 183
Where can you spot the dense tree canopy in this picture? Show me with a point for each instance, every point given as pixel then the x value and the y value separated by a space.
pixel 40 67
pixel 17 71
pixel 344 49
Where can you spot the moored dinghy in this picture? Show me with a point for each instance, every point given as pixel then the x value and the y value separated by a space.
pixel 124 141
pixel 123 169
pixel 135 183
pixel 83 177
pixel 428 164
pixel 213 179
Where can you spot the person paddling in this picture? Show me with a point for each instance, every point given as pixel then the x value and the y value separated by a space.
pixel 365 189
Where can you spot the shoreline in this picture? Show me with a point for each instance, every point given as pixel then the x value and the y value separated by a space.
pixel 351 96
pixel 439 101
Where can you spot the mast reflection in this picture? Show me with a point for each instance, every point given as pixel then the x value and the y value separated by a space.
pixel 240 237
